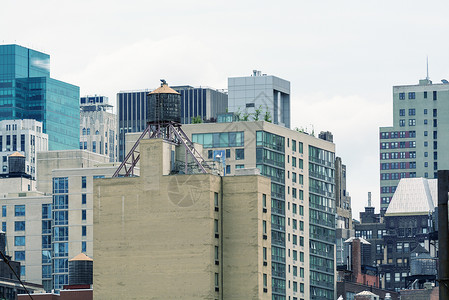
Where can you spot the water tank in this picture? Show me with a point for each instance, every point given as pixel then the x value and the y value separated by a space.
pixel 16 164
pixel 81 270
pixel 163 105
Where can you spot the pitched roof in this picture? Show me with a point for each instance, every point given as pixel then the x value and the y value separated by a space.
pixel 414 196
pixel 17 154
pixel 164 89
pixel 81 256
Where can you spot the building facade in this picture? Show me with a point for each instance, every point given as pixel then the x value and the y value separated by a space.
pixel 202 102
pixel 68 177
pixel 260 92
pixel 28 92
pixel 417 144
pixel 25 137
pixel 214 242
pixel 302 174
pixel 98 127
pixel 26 219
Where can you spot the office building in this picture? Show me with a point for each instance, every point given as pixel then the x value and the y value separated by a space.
pixel 402 240
pixel 302 172
pixel 417 144
pixel 185 236
pixel 28 92
pixel 344 212
pixel 202 102
pixel 98 126
pixel 260 92
pixel 68 177
pixel 25 137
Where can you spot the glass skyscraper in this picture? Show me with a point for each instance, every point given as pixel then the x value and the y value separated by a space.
pixel 28 92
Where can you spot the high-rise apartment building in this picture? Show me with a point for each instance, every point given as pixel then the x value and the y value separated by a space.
pixel 182 236
pixel 260 92
pixel 302 172
pixel 28 92
pixel 417 144
pixel 68 177
pixel 25 137
pixel 202 102
pixel 98 126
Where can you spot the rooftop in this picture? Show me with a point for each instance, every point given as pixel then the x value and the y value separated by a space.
pixel 414 196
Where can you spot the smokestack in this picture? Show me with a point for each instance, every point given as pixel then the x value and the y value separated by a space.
pixel 369 199
pixel 356 258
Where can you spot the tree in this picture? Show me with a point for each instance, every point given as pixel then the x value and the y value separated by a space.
pixel 267 116
pixel 257 113
pixel 245 116
pixel 197 120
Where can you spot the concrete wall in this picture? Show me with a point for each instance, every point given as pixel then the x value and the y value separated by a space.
pixel 154 235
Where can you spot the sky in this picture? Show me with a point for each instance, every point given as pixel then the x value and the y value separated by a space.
pixel 341 57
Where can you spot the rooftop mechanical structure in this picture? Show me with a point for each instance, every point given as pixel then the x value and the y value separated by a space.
pixel 163 121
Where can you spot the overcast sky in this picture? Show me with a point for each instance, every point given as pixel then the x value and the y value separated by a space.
pixel 341 57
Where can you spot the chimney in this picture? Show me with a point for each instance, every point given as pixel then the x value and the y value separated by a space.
pixel 356 258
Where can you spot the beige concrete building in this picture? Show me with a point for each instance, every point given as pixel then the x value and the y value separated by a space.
pixel 187 236
pixel 26 219
pixel 98 126
pixel 26 137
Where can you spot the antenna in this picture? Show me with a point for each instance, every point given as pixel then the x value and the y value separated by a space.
pixel 427 62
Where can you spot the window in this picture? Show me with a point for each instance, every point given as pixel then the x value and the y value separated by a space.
pixel 425 121
pixel 83 247
pixel 293 161
pixel 411 122
pixel 401 96
pixel 216 200
pixel 4 211
pixel 228 169
pixel 19 210
pixel 425 111
pixel 94 146
pixel 83 182
pixel 84 230
pixel 301 210
pixel 210 154
pixel 216 226
pixel 264 226
pixel 397 277
pixel 4 226
pixel 411 95
pixel 83 198
pixel 293 145
pixel 402 112
pixel 295 239
pixel 295 286
pixel 228 153
pixel 19 225
pixel 301 256
pixel 19 241
pixel 293 177
pixel 435 123
pixel 425 95
pixel 434 95
pixel 411 111
pixel 264 200
pixel 301 225
pixel 301 287
pixel 295 255
pixel 19 255
pixel 265 253
pixel 46 211
pixel 301 241
pixel 83 215
pixel 239 166
pixel 88 131
pixel 401 123
pixel 239 154
pixel 265 282
pixel 216 280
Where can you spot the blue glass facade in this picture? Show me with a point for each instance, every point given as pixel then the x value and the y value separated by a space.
pixel 321 222
pixel 28 92
pixel 60 211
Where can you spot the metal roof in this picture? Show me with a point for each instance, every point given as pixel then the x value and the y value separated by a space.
pixel 164 89
pixel 414 196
